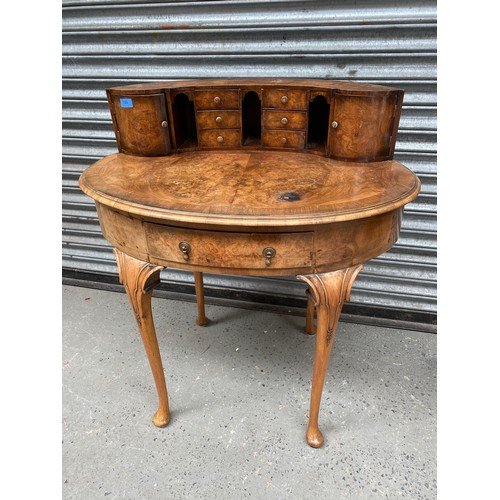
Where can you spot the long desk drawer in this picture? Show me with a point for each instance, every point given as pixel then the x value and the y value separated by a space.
pixel 229 249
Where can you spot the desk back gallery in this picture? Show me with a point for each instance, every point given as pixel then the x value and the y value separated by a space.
pixel 342 120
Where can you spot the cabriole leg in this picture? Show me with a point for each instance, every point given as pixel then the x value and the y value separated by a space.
pixel 328 291
pixel 310 327
pixel 139 278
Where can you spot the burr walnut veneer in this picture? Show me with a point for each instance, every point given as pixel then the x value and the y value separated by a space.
pixel 251 177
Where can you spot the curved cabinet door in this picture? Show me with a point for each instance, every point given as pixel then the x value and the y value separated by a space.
pixel 141 124
pixel 363 127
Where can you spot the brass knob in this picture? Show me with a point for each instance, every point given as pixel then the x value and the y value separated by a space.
pixel 284 121
pixel 269 253
pixel 284 99
pixel 335 124
pixel 283 140
pixel 220 138
pixel 218 119
pixel 164 124
pixel 217 100
pixel 185 248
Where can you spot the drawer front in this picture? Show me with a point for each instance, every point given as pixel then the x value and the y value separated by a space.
pixel 226 138
pixel 284 98
pixel 283 139
pixel 284 119
pixel 218 119
pixel 217 99
pixel 229 250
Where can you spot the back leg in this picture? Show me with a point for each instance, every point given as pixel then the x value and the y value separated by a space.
pixel 202 320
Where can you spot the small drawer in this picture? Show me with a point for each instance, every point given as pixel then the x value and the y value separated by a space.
pixel 283 139
pixel 229 250
pixel 218 119
pixel 226 138
pixel 284 119
pixel 284 98
pixel 217 99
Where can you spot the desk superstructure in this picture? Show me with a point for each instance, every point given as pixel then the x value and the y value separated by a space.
pixel 261 177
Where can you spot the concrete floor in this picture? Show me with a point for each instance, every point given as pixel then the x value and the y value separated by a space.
pixel 239 398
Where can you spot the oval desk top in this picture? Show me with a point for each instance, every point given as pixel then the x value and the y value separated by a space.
pixel 248 188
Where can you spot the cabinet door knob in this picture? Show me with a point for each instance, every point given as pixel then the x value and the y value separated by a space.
pixel 164 124
pixel 220 138
pixel 284 99
pixel 218 119
pixel 217 100
pixel 335 124
pixel 284 121
pixel 283 140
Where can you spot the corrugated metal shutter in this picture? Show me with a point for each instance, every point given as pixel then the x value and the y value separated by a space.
pixel 107 43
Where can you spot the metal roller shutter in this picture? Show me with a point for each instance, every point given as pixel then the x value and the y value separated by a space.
pixel 108 43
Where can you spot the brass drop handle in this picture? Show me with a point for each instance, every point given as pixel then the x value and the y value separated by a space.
pixel 335 124
pixel 220 138
pixel 284 121
pixel 269 253
pixel 217 100
pixel 185 248
pixel 164 124
pixel 283 140
pixel 284 99
pixel 218 119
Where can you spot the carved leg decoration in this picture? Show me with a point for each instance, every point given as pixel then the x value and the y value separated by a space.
pixel 202 320
pixel 139 278
pixel 328 290
pixel 310 327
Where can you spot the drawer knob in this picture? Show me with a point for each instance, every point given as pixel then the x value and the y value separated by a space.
pixel 185 248
pixel 217 100
pixel 335 124
pixel 220 138
pixel 284 99
pixel 284 121
pixel 283 140
pixel 164 124
pixel 269 253
pixel 218 119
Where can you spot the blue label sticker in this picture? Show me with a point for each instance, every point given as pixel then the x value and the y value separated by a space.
pixel 126 102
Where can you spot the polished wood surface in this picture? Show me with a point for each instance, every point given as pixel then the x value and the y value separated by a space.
pixel 249 188
pixel 139 279
pixel 324 288
pixel 141 132
pixel 201 320
pixel 264 177
pixel 364 130
pixel 338 85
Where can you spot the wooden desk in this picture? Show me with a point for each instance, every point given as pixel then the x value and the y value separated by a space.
pixel 252 177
